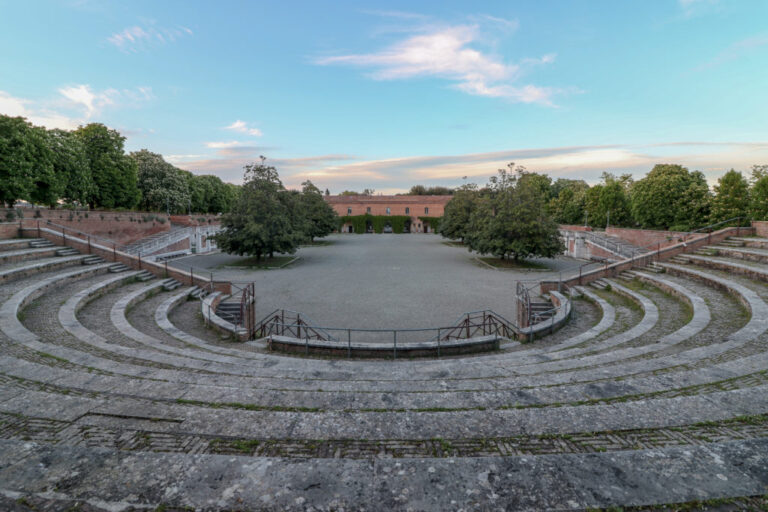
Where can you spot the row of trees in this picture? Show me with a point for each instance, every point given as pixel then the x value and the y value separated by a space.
pixel 266 218
pixel 507 218
pixel 89 166
pixel 668 197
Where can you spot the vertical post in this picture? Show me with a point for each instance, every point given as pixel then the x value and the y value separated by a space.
pixel 306 341
pixel 166 268
pixel 394 339
pixel 114 253
pixel 89 244
pixel 38 229
pixel 349 343
pixel 282 321
pixel 192 277
pixel 64 236
pixel 139 260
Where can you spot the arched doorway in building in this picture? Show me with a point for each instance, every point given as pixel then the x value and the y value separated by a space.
pixel 407 226
pixel 369 226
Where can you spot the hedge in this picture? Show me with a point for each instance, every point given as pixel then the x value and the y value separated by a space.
pixel 359 222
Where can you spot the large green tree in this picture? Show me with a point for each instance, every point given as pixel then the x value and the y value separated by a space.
pixel 163 186
pixel 114 173
pixel 70 164
pixel 608 201
pixel 758 194
pixel 263 221
pixel 26 162
pixel 568 203
pixel 512 219
pixel 457 212
pixel 731 197
pixel 321 219
pixel 671 197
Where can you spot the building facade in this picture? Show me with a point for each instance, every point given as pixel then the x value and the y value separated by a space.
pixel 421 211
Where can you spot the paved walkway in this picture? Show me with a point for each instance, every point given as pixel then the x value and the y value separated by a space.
pixel 380 281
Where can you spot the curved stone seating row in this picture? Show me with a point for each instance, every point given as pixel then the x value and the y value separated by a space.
pixel 140 393
pixel 756 272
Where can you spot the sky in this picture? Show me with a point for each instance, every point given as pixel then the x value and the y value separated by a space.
pixel 386 95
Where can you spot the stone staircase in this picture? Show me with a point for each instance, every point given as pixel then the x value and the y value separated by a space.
pixel 113 393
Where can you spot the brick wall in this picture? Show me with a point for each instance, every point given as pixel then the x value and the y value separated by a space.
pixel 9 230
pixel 378 205
pixel 595 251
pixel 195 220
pixel 646 237
pixel 761 228
pixel 572 227
pixel 120 227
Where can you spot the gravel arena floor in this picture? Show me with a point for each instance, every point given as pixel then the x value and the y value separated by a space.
pixel 380 281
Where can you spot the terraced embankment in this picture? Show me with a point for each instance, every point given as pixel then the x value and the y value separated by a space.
pixel 113 394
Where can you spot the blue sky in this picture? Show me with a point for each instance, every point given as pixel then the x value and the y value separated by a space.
pixel 387 95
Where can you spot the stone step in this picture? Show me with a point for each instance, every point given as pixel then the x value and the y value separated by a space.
pixel 599 284
pixel 67 251
pixel 732 243
pixel 39 244
pixel 171 284
pixel 118 267
pixel 198 293
pixel 93 260
pixel 144 276
pixel 680 259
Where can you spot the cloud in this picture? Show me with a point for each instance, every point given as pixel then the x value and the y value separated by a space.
pixel 38 115
pixel 93 102
pixel 137 38
pixel 242 127
pixel 694 7
pixel 445 52
pixel 222 145
pixel 736 51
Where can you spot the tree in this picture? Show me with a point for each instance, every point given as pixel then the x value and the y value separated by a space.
pixel 458 212
pixel 163 186
pixel 263 220
pixel 421 190
pixel 568 203
pixel 114 173
pixel 47 186
pixel 70 164
pixel 511 220
pixel 25 161
pixel 731 197
pixel 758 194
pixel 608 201
pixel 670 197
pixel 320 217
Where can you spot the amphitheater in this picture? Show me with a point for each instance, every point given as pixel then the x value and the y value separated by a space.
pixel 114 395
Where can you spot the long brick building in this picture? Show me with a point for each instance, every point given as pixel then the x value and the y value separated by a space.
pixel 420 210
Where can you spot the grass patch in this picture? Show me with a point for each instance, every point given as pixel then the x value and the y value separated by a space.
pixel 317 243
pixel 512 264
pixel 263 264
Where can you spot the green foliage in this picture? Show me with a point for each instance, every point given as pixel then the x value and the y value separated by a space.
pixel 421 190
pixel 731 197
pixel 163 186
pixel 320 216
pixel 434 222
pixel 608 202
pixel 670 195
pixel 266 218
pixel 25 162
pixel 114 173
pixel 70 165
pixel 511 220
pixel 568 202
pixel 457 212
pixel 758 194
pixel 360 223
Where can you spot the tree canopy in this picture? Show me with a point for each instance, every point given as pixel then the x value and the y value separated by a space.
pixel 510 218
pixel 267 219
